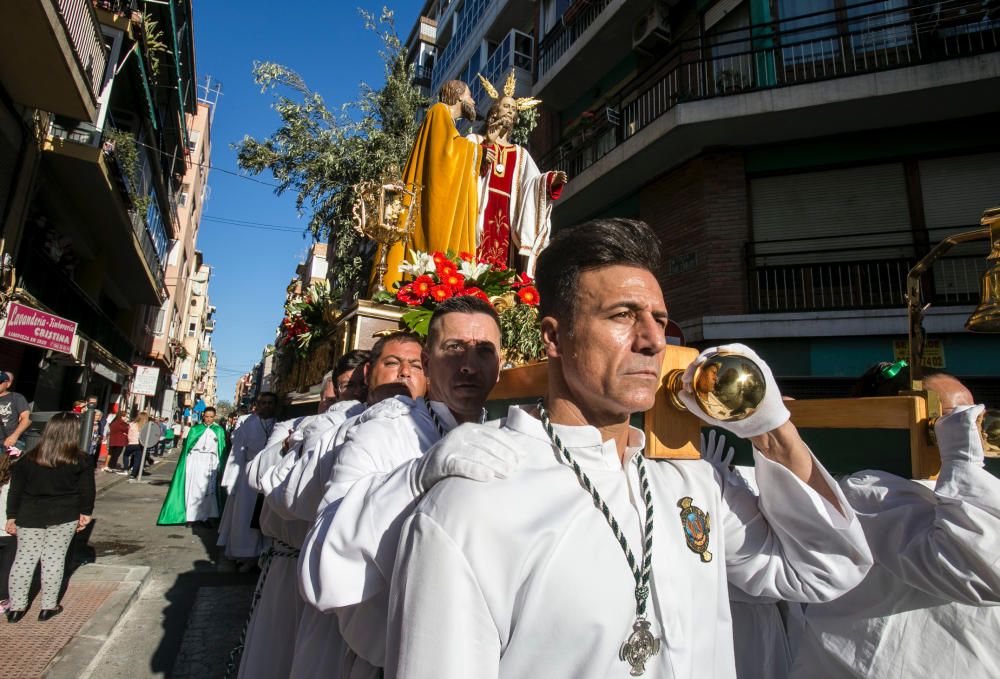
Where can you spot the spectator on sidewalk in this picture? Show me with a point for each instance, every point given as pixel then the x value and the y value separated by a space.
pixel 133 451
pixel 167 443
pixel 118 432
pixel 8 542
pixel 177 432
pixel 15 416
pixel 51 498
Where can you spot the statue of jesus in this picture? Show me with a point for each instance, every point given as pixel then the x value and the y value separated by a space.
pixel 515 198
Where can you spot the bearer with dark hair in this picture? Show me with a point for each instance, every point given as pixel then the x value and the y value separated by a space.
pixel 589 560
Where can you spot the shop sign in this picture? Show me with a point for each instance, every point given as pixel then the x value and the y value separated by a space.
pixel 933 352
pixel 30 326
pixel 146 380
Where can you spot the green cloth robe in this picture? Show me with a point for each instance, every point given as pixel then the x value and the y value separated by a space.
pixel 174 510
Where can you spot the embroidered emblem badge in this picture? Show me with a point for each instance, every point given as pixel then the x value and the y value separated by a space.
pixel 697 525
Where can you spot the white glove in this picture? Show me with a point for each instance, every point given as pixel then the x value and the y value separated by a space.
pixel 959 437
pixel 714 452
pixel 472 451
pixel 770 414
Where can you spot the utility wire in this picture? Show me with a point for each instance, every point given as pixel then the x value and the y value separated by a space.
pixel 209 166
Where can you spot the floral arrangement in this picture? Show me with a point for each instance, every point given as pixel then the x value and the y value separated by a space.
pixel 304 318
pixel 436 277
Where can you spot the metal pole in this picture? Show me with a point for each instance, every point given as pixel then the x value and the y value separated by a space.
pixel 142 463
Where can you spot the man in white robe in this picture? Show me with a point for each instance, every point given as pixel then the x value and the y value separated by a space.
pixel 242 542
pixel 930 606
pixel 192 495
pixel 296 487
pixel 525 577
pixel 347 559
pixel 270 634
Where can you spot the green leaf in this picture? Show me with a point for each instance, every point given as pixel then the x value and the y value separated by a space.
pixel 418 321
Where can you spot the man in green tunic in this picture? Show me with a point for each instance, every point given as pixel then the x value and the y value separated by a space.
pixel 193 494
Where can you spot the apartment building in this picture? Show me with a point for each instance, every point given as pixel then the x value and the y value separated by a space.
pixel 164 325
pixel 195 353
pixel 95 128
pixel 796 157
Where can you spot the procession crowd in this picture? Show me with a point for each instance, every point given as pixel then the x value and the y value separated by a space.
pixel 401 534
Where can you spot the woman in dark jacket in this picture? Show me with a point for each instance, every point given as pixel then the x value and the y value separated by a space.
pixel 51 497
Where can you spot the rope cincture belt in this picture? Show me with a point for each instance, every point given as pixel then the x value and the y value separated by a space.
pixel 279 549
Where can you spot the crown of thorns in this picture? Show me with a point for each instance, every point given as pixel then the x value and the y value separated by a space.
pixel 523 103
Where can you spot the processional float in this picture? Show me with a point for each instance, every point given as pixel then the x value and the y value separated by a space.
pixel 896 432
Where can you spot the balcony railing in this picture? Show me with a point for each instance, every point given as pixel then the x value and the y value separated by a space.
pixel 471 15
pixel 864 38
pixel 826 273
pixel 84 31
pixel 48 283
pixel 514 51
pixel 422 74
pixel 557 41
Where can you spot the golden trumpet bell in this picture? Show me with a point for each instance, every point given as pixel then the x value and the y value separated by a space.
pixel 986 317
pixel 727 387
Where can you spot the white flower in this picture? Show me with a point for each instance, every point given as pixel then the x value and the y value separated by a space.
pixel 472 270
pixel 419 264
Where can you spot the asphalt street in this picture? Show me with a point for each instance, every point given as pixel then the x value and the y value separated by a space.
pixel 188 614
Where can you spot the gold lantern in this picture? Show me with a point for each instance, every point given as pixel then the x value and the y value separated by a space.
pixel 385 213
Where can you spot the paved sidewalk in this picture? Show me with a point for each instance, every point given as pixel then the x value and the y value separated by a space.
pixel 95 598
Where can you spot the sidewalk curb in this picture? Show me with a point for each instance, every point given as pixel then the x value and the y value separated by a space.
pixel 74 659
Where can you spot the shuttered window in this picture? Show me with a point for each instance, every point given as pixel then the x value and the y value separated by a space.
pixel 831 216
pixel 956 191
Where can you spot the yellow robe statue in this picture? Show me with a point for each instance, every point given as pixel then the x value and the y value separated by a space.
pixel 446 165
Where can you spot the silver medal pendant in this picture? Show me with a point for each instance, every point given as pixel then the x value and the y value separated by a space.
pixel 500 168
pixel 639 647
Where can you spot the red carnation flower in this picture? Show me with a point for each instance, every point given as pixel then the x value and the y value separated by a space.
pixel 473 292
pixel 444 268
pixel 439 258
pixel 465 256
pixel 422 285
pixel 440 293
pixel 528 295
pixel 407 295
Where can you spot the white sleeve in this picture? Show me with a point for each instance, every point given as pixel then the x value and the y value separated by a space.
pixel 440 626
pixel 791 543
pixel 270 456
pixel 234 462
pixel 953 552
pixel 298 494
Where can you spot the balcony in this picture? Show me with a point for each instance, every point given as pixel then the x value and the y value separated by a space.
pixel 771 82
pixel 471 16
pixel 52 55
pixel 422 75
pixel 102 199
pixel 831 273
pixel 513 52
pixel 47 283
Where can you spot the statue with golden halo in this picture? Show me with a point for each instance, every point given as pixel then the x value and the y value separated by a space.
pixel 515 198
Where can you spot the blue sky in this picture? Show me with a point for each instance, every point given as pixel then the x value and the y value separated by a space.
pixel 325 42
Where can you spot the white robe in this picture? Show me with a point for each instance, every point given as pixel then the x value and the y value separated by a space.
pixel 267 649
pixel 200 471
pixel 522 577
pixel 929 605
pixel 760 640
pixel 347 559
pixel 240 540
pixel 530 223
pixel 274 627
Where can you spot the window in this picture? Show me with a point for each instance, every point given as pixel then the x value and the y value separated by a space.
pixel 161 318
pixel 192 326
pixel 193 138
pixel 183 198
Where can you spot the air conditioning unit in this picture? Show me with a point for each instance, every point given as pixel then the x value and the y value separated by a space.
pixel 79 349
pixel 652 28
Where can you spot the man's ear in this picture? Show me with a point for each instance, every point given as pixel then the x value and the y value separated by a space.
pixel 550 336
pixel 366 366
pixel 424 359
